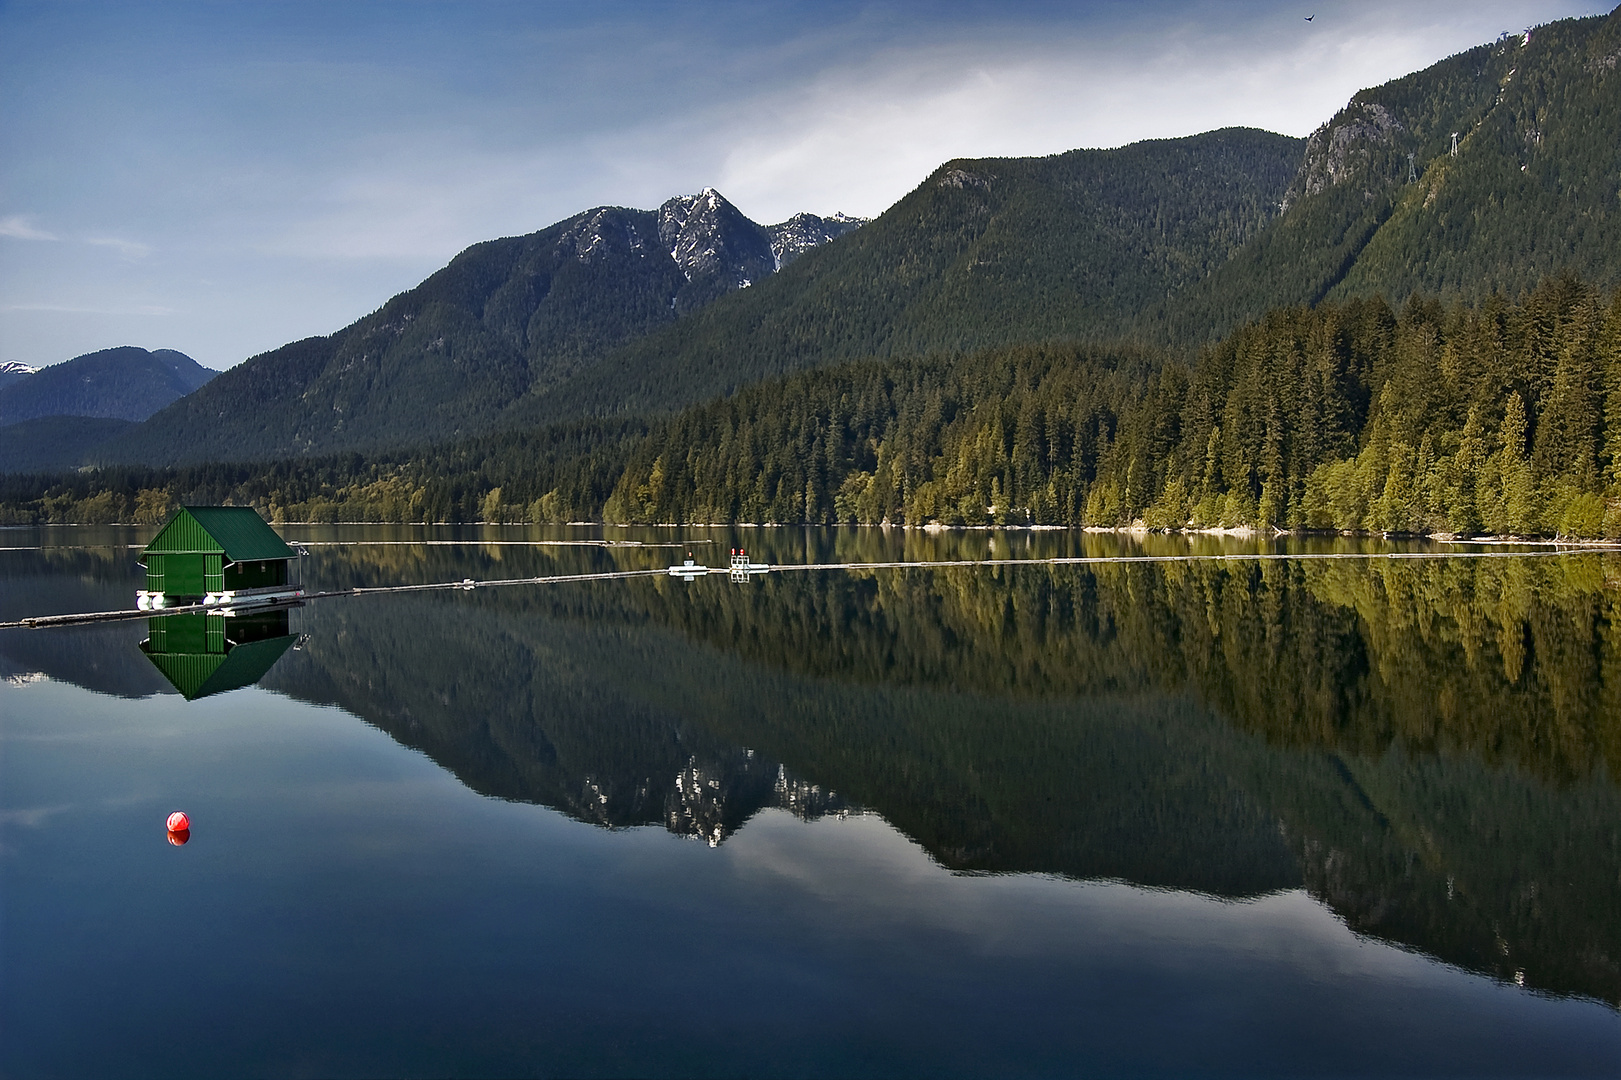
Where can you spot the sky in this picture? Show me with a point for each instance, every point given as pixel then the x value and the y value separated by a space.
pixel 222 178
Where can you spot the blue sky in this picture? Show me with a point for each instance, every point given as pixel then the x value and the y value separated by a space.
pixel 221 178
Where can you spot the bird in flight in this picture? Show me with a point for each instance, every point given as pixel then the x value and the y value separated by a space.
pixel 1310 17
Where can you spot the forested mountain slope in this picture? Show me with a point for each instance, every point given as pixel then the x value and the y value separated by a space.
pixel 125 383
pixel 57 416
pixel 1498 418
pixel 513 331
pixel 1383 203
pixel 983 252
pixel 1178 242
pixel 503 317
pixel 55 442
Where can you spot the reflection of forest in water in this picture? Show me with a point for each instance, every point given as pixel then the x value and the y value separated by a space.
pixel 1428 746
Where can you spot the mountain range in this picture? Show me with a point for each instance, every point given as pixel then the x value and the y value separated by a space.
pixel 1481 174
pixel 618 310
pixel 56 415
pixel 504 318
pixel 125 383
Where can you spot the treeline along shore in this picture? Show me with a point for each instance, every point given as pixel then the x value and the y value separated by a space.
pixel 1502 418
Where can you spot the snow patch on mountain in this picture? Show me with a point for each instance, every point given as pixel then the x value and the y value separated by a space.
pixel 12 372
pixel 792 238
pixel 709 237
pixel 716 248
pixel 603 230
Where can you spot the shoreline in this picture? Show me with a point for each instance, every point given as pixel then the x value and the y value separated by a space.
pixel 1242 532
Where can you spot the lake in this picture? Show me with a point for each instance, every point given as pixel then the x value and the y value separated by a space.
pixel 1285 817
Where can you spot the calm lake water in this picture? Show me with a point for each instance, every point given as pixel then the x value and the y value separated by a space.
pixel 1331 817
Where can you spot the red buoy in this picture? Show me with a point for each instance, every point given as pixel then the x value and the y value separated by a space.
pixel 179 822
pixel 178 837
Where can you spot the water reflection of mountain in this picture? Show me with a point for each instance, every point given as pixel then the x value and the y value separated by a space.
pixel 1510 658
pixel 544 711
pixel 101 658
pixel 1429 748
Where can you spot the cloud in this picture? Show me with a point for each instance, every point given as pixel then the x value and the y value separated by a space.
pixel 67 309
pixel 853 131
pixel 130 249
pixel 18 228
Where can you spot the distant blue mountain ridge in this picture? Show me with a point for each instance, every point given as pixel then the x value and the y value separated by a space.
pixel 57 414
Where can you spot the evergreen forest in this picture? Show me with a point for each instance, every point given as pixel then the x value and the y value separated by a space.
pixel 1499 418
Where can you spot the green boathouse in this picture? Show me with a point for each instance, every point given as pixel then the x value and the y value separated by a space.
pixel 209 553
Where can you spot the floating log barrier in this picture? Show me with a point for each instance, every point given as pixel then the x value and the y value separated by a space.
pixel 46 621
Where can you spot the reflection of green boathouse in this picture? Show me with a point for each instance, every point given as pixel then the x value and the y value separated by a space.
pixel 216 555
pixel 204 653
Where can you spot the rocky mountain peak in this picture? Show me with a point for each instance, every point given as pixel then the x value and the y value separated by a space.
pixel 792 238
pixel 606 229
pixel 715 246
pixel 1342 148
pixel 708 237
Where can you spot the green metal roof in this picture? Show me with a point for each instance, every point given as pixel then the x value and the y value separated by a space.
pixel 237 532
pixel 198 675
